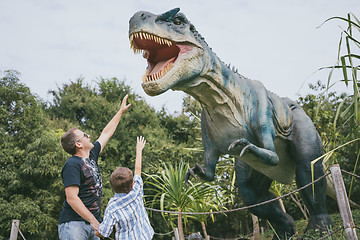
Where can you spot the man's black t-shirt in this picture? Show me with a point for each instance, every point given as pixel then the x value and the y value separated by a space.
pixel 85 173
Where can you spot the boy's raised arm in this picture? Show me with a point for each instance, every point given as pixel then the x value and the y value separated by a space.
pixel 139 147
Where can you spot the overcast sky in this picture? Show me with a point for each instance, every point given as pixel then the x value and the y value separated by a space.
pixel 51 42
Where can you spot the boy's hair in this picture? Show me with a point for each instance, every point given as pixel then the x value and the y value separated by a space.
pixel 68 141
pixel 121 180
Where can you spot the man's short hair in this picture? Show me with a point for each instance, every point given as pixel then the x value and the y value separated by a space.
pixel 121 180
pixel 68 141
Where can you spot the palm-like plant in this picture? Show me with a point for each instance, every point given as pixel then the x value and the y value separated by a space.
pixel 211 201
pixel 173 194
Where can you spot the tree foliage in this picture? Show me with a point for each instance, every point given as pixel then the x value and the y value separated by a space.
pixel 30 162
pixel 322 107
pixel 31 156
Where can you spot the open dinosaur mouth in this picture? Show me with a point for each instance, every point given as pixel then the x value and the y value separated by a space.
pixel 160 53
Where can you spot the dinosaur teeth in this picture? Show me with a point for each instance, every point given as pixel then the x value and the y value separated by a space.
pixel 147 36
pixel 144 78
pixel 156 76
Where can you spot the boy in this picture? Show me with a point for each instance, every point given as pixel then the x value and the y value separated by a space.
pixel 126 209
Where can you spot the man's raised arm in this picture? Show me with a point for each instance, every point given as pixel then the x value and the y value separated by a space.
pixel 110 128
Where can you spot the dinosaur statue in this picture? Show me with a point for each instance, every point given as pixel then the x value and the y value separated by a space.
pixel 270 137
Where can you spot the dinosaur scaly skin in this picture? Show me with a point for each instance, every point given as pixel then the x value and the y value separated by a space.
pixel 270 137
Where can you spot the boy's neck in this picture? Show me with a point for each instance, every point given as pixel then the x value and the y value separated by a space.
pixel 120 194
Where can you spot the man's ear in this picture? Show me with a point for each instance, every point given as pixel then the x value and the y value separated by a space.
pixel 78 145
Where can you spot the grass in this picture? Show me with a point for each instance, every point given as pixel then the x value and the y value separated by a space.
pixel 301 226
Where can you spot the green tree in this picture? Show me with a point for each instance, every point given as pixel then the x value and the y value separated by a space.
pixel 30 163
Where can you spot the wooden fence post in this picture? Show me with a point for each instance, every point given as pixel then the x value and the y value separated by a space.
pixel 343 203
pixel 176 232
pixel 256 229
pixel 14 229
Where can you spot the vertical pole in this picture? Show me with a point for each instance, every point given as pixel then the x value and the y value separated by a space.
pixel 256 229
pixel 14 229
pixel 343 203
pixel 176 232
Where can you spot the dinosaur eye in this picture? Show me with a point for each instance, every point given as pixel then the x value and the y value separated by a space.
pixel 176 21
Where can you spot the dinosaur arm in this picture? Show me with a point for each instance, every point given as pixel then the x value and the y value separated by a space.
pixel 262 129
pixel 266 148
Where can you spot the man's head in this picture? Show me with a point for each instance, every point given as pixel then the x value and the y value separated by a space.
pixel 74 140
pixel 121 180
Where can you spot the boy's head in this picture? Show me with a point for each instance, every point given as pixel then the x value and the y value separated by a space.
pixel 121 180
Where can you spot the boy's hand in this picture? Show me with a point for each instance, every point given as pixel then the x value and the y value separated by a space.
pixel 140 143
pixel 139 147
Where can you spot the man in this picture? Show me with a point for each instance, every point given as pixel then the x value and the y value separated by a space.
pixel 81 176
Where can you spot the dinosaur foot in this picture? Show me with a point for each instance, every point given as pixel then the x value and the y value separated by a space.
pixel 203 172
pixel 285 230
pixel 320 223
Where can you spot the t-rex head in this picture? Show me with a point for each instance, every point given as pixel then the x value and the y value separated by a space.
pixel 172 47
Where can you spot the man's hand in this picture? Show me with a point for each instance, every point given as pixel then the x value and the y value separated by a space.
pixel 110 128
pixel 124 107
pixel 98 234
pixel 95 225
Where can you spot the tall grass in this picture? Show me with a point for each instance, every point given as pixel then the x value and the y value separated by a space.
pixel 348 62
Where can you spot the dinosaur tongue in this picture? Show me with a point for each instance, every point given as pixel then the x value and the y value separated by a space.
pixel 160 65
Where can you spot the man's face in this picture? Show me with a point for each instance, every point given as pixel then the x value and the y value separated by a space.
pixel 83 140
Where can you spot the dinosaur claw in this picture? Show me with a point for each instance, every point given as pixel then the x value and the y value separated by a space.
pixel 241 142
pixel 199 168
pixel 192 173
pixel 233 144
pixel 244 149
pixel 188 174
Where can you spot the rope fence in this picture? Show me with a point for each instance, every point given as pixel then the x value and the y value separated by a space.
pixel 349 227
pixel 164 234
pixel 352 174
pixel 241 208
pixel 331 233
pixel 275 199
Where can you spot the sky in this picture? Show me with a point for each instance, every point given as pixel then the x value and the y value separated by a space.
pixel 278 42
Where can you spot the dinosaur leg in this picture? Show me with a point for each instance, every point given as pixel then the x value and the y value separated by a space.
pixel 254 188
pixel 211 157
pixel 206 173
pixel 307 146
